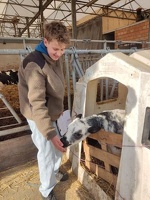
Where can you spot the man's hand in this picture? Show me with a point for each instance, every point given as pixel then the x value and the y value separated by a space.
pixel 58 144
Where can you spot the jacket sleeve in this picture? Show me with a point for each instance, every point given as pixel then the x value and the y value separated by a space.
pixel 35 80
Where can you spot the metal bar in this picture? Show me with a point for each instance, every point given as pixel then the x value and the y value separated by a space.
pixel 73 80
pixel 79 66
pixel 106 41
pixel 74 65
pixel 6 117
pixel 19 39
pixel 106 88
pixel 27 39
pixel 14 130
pixel 68 81
pixel 24 43
pixel 4 108
pixel 102 89
pixel 68 51
pixel 105 45
pixel 73 72
pixel 9 125
pixel 13 51
pixel 113 88
pixel 76 62
pixel 102 51
pixel 10 108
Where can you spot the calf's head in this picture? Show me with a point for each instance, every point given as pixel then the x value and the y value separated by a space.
pixel 79 129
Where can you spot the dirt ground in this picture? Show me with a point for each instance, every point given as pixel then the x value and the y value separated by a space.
pixel 22 183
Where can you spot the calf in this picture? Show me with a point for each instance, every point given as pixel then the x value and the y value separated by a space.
pixel 8 77
pixel 4 78
pixel 79 129
pixel 14 76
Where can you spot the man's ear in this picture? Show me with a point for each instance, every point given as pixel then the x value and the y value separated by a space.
pixel 79 116
pixel 45 42
pixel 93 129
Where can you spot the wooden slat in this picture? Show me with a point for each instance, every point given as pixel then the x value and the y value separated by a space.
pixel 104 148
pixel 109 159
pixel 87 155
pixel 100 172
pixel 102 155
pixel 16 151
pixel 107 137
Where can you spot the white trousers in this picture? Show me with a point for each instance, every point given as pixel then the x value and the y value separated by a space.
pixel 48 157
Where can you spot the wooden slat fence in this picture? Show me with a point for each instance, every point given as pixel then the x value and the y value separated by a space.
pixel 97 158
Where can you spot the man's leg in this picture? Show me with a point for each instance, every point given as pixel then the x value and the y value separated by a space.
pixel 48 162
pixel 58 154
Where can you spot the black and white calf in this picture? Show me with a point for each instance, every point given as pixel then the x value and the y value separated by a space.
pixel 80 128
pixel 9 77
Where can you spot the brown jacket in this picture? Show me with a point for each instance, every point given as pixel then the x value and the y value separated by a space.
pixel 41 91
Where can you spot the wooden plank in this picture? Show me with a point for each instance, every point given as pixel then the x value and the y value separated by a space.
pixel 103 138
pixel 16 151
pixel 104 174
pixel 91 92
pixel 107 137
pixel 102 155
pixel 87 155
pixel 104 148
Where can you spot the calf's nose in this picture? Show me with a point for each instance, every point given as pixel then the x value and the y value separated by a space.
pixel 64 141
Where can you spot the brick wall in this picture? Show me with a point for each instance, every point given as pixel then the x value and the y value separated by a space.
pixel 135 32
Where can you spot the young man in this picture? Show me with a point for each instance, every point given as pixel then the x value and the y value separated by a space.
pixel 41 94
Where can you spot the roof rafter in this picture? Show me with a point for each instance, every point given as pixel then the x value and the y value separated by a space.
pixel 14 13
pixel 36 16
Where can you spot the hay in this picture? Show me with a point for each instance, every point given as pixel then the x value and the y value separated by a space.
pixel 22 183
pixel 11 94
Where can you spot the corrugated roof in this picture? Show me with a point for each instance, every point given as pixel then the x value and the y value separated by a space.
pixel 17 16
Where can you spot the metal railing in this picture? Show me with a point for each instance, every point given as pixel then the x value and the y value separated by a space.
pixel 76 61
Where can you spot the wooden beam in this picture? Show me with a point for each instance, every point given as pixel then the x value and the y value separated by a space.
pixel 42 17
pixel 74 26
pixel 27 21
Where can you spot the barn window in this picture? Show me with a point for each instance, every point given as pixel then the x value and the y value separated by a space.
pixel 146 129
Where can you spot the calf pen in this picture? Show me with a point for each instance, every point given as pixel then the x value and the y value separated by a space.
pixel 74 72
pixel 133 77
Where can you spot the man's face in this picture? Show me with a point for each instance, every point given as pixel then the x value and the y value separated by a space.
pixel 55 49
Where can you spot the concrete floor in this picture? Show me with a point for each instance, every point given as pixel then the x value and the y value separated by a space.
pixel 22 183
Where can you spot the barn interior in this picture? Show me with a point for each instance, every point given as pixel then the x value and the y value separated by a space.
pixel 97 28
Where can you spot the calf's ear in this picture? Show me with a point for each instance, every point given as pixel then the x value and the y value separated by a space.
pixel 94 124
pixel 79 116
pixel 93 129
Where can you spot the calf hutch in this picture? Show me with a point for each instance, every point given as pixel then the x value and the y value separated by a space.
pixel 130 91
